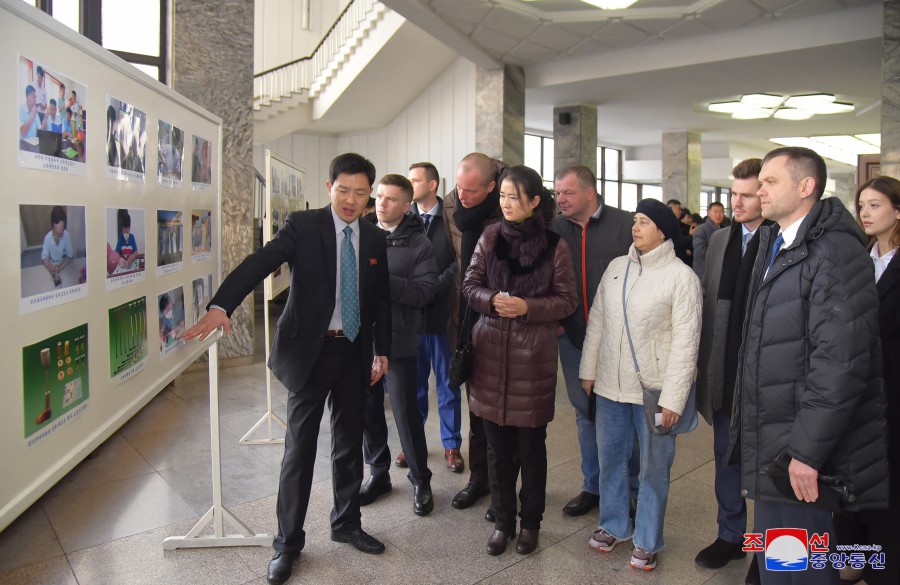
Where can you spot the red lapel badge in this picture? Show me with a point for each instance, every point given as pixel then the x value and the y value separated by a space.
pixel 373 261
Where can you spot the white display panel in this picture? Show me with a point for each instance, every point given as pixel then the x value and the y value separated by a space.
pixel 285 192
pixel 104 256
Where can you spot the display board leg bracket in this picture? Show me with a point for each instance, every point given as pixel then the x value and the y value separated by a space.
pixel 218 513
pixel 269 417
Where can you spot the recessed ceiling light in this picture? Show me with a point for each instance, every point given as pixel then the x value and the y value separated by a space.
pixel 871 139
pixel 793 114
pixel 752 114
pixel 762 100
pixel 845 149
pixel 725 107
pixel 798 107
pixel 610 4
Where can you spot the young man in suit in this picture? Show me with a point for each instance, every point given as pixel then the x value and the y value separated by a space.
pixel 337 310
pixel 434 343
pixel 726 279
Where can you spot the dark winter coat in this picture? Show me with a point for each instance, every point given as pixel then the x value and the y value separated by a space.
pixel 436 315
pixel 809 375
pixel 593 247
pixel 413 282
pixel 889 320
pixel 513 379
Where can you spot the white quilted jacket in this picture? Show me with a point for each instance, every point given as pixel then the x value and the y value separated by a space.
pixel 664 314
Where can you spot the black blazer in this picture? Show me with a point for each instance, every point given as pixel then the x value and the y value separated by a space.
pixel 438 313
pixel 889 321
pixel 307 242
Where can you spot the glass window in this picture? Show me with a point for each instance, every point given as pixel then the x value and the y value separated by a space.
pixel 151 70
pixel 611 155
pixel 629 196
pixel 652 192
pixel 67 12
pixel 130 26
pixel 533 152
pixel 548 169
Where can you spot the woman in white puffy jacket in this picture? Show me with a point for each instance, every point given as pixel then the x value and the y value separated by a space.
pixel 663 300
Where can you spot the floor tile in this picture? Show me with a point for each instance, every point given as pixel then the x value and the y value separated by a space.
pixel 29 539
pixel 51 571
pixel 93 516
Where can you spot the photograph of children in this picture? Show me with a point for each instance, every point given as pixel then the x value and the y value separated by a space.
pixel 202 294
pixel 201 235
pixel 128 347
pixel 169 244
pixel 126 141
pixel 171 154
pixel 171 321
pixel 54 250
pixel 52 124
pixel 55 381
pixel 126 239
pixel 201 164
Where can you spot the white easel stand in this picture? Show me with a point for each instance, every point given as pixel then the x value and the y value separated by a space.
pixel 218 513
pixel 269 416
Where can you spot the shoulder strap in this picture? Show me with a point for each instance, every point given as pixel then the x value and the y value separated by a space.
pixel 637 369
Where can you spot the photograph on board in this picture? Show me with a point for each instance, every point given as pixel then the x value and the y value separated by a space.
pixel 126 239
pixel 53 256
pixel 201 235
pixel 126 141
pixel 202 295
pixel 52 122
pixel 171 321
pixel 170 246
pixel 201 163
pixel 55 381
pixel 171 154
pixel 128 346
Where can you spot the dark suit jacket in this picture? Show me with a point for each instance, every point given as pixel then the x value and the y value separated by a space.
pixel 438 313
pixel 889 321
pixel 307 242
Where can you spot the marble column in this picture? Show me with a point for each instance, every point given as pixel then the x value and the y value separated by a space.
pixel 500 113
pixel 681 168
pixel 575 137
pixel 845 189
pixel 212 65
pixel 890 90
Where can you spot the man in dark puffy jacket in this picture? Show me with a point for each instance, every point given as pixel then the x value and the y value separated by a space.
pixel 413 284
pixel 809 389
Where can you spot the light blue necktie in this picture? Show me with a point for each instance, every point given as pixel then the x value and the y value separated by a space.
pixel 349 293
pixel 779 241
pixel 744 242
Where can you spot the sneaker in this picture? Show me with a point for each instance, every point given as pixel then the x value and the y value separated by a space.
pixel 604 541
pixel 641 559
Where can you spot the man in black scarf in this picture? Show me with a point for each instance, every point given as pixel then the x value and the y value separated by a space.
pixel 725 285
pixel 468 209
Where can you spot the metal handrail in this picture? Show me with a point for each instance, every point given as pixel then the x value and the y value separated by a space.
pixel 297 75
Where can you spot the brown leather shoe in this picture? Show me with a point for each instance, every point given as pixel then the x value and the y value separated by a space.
pixel 400 461
pixel 455 461
pixel 496 544
pixel 528 541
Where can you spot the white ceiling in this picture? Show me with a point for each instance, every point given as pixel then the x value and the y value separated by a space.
pixel 655 66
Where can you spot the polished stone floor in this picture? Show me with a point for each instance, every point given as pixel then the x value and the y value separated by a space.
pixel 104 523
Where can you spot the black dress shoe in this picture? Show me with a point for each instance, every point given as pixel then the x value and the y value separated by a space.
pixel 581 504
pixel 528 541
pixel 423 500
pixel 468 496
pixel 489 515
pixel 375 486
pixel 280 568
pixel 752 577
pixel 718 554
pixel 496 544
pixel 360 540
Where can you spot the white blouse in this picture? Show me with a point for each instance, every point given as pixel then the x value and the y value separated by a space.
pixel 881 262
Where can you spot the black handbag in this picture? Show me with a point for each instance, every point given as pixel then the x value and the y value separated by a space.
pixel 461 360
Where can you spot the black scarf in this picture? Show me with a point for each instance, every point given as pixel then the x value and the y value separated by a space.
pixel 734 286
pixel 470 222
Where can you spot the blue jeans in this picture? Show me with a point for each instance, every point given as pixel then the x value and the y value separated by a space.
pixel 570 359
pixel 618 424
pixel 434 350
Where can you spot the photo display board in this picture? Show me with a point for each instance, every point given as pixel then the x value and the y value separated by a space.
pixel 108 260
pixel 285 193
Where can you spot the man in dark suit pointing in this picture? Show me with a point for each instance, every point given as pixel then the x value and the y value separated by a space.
pixel 338 307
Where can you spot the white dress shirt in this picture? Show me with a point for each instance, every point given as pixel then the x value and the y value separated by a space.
pixel 881 262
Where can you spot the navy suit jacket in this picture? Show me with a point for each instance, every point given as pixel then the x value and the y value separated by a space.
pixel 307 242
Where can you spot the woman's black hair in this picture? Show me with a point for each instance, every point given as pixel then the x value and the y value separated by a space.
pixel 529 185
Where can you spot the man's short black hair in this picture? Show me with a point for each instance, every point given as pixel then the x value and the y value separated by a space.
pixel 58 214
pixel 672 202
pixel 351 163
pixel 716 204
pixel 803 162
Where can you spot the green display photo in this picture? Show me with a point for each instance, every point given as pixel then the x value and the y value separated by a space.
pixel 127 338
pixel 55 378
